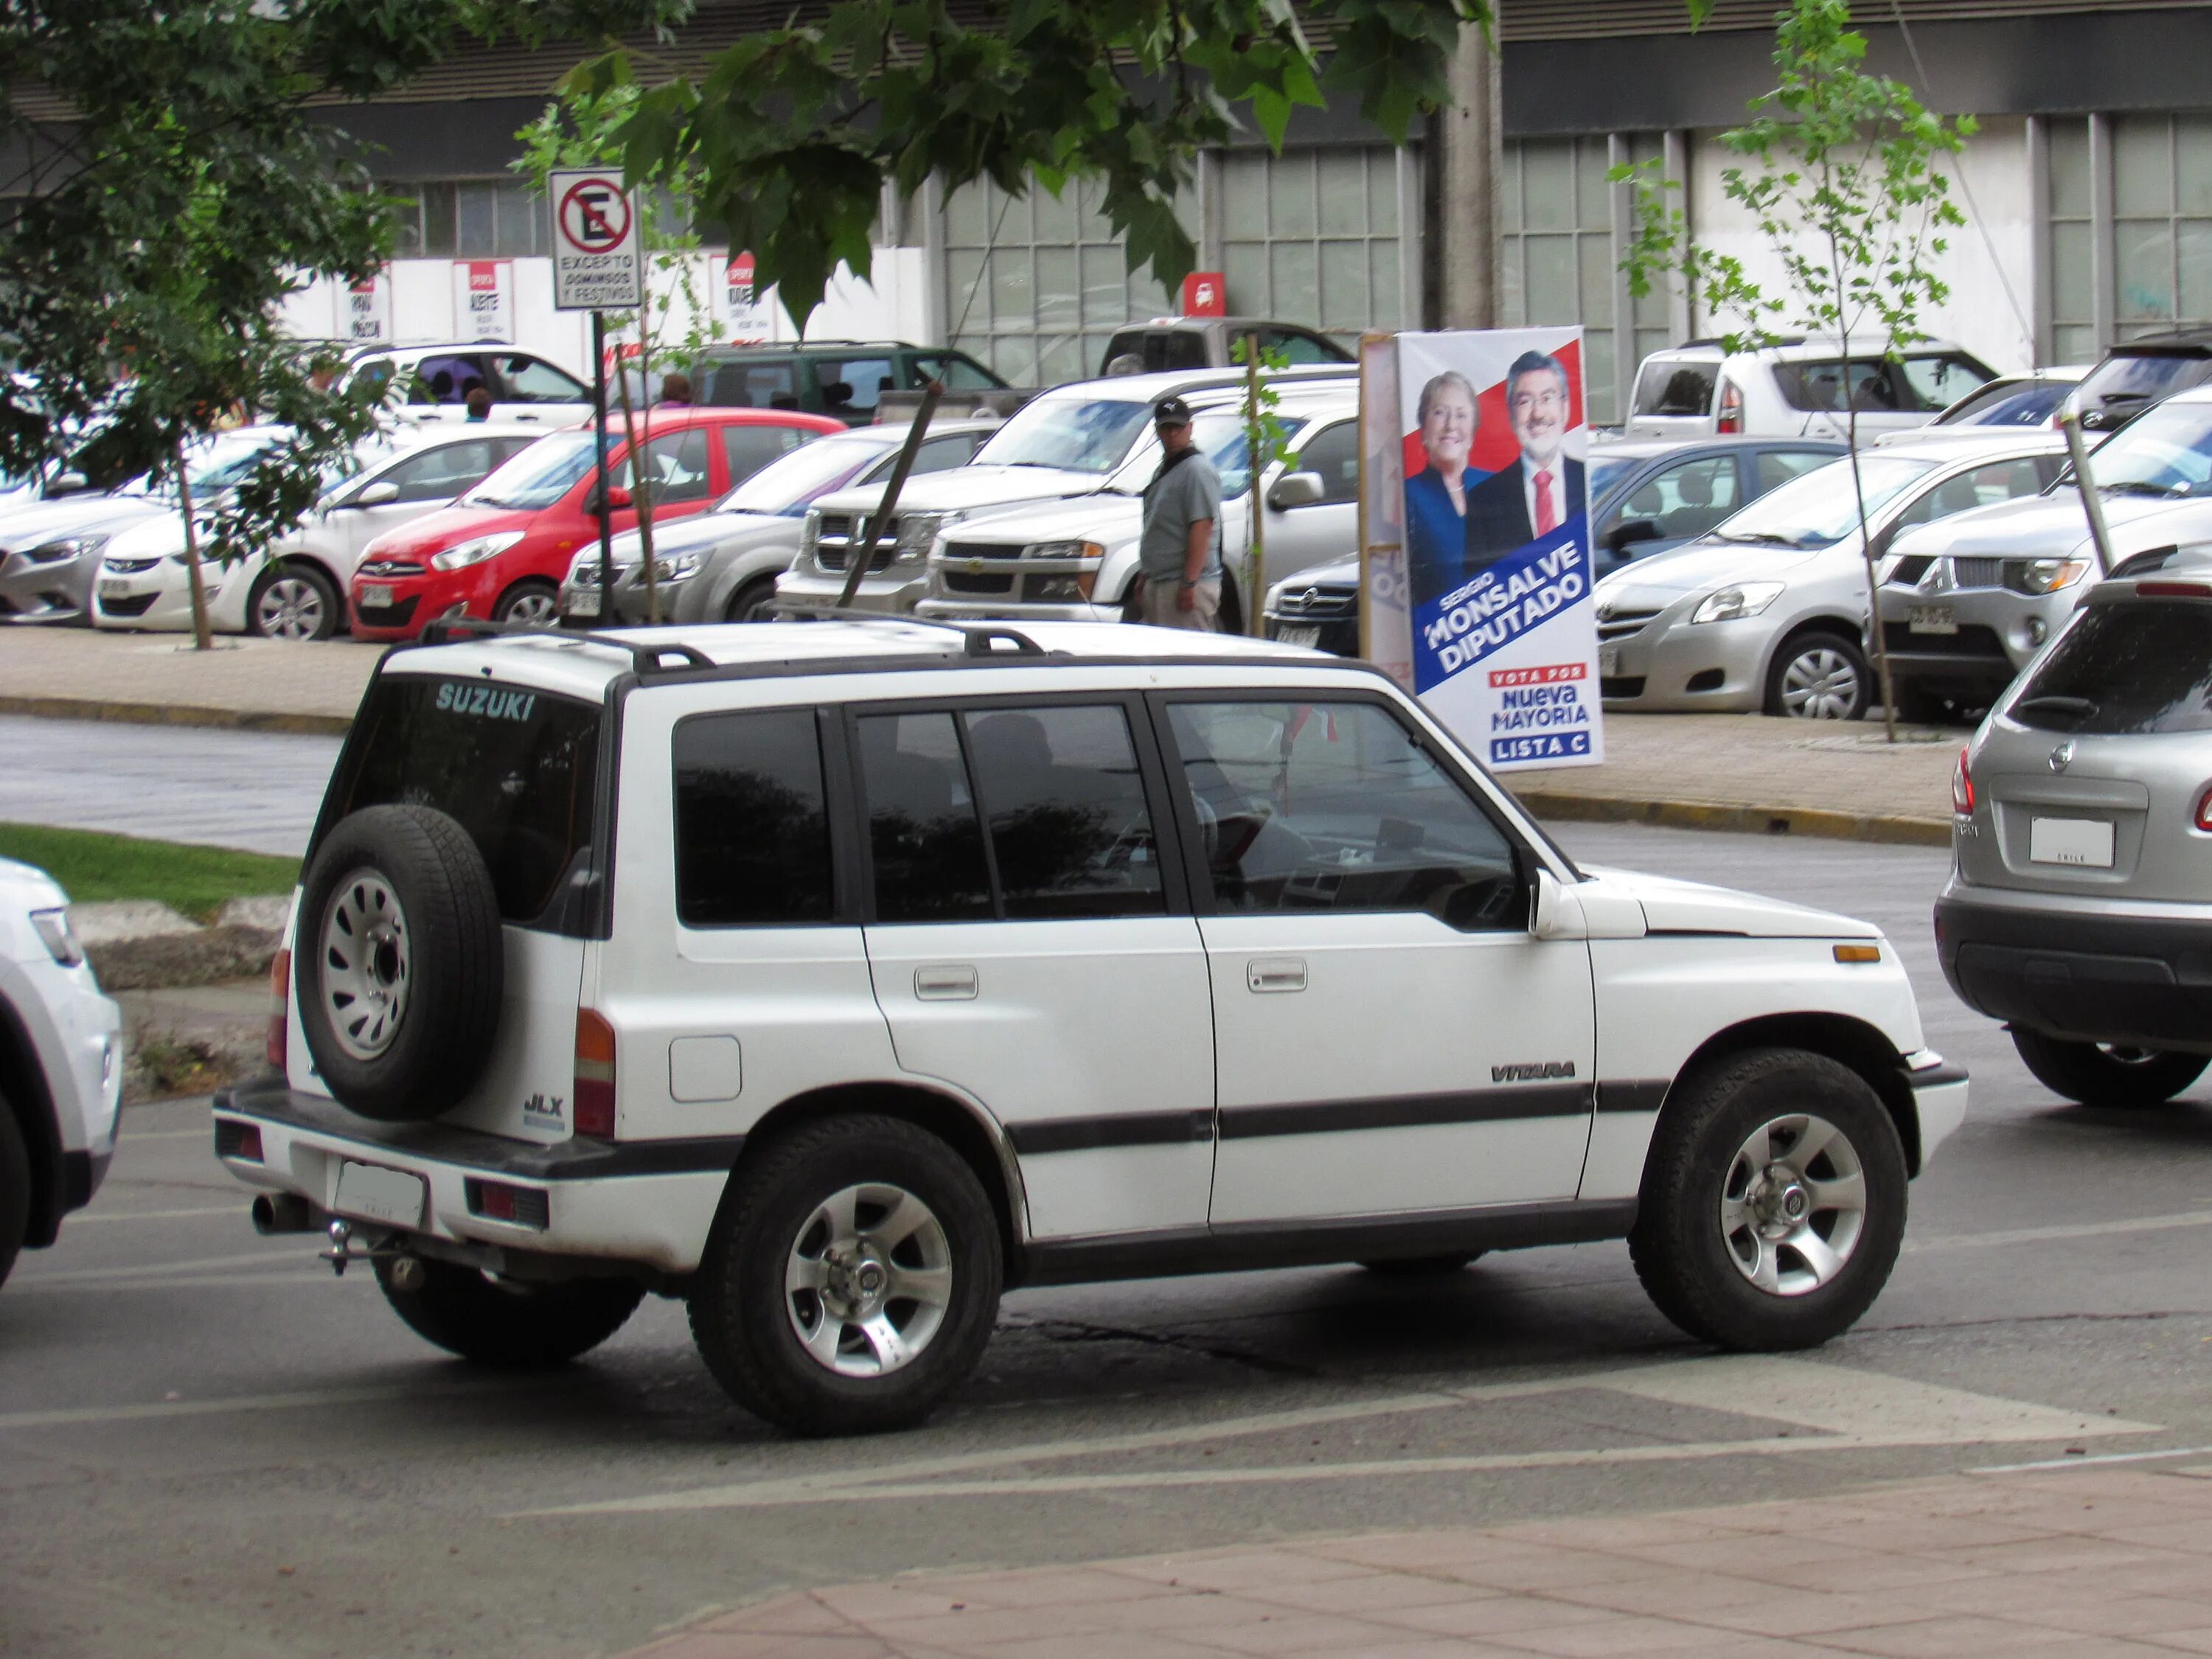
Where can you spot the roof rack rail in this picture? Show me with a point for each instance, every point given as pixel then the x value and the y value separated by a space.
pixel 979 636
pixel 643 659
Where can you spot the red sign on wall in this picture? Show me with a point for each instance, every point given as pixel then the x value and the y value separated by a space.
pixel 1205 294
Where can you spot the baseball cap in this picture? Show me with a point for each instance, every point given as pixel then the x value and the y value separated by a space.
pixel 1171 412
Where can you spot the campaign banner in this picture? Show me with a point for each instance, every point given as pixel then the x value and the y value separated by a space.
pixel 483 301
pixel 365 311
pixel 738 304
pixel 1497 515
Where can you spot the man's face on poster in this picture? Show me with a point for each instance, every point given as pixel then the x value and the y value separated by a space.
pixel 1537 402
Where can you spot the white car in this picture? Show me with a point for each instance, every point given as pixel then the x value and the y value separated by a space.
pixel 295 590
pixel 61 1064
pixel 1767 610
pixel 431 383
pixel 1699 390
pixel 836 977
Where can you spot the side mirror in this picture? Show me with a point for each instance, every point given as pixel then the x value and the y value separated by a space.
pixel 1297 490
pixel 68 483
pixel 1629 532
pixel 376 494
pixel 618 498
pixel 1554 912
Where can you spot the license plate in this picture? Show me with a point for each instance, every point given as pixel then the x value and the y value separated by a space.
pixel 375 596
pixel 2086 843
pixel 114 590
pixel 1608 662
pixel 1934 619
pixel 1300 636
pixel 583 602
pixel 376 1194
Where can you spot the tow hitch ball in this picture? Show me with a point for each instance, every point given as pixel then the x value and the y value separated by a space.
pixel 406 1273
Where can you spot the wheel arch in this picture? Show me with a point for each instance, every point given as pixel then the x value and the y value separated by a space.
pixel 1850 1041
pixel 25 1096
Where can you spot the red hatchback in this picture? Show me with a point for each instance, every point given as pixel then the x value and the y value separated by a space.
pixel 500 551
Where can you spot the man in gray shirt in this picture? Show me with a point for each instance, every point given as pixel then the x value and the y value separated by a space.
pixel 1180 552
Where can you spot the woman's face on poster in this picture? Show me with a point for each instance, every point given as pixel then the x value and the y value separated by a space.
pixel 1447 430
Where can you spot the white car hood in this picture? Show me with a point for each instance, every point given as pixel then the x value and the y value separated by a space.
pixel 1660 581
pixel 2054 526
pixel 76 516
pixel 1107 517
pixel 1690 907
pixel 151 538
pixel 968 489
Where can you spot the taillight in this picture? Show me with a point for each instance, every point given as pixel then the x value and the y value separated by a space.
pixel 1962 789
pixel 280 982
pixel 2173 591
pixel 595 1075
pixel 1731 413
pixel 2204 810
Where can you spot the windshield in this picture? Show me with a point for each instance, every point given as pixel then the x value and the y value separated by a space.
pixel 2141 376
pixel 1822 508
pixel 2031 403
pixel 788 484
pixel 540 476
pixel 2166 452
pixel 1080 434
pixel 215 464
pixel 1604 474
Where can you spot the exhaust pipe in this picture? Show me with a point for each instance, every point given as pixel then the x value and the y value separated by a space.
pixel 283 1212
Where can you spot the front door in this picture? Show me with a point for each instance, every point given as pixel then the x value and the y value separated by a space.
pixel 1030 947
pixel 1389 1039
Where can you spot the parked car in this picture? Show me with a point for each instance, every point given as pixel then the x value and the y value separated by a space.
pixel 1180 343
pixel 2075 909
pixel 432 383
pixel 51 553
pixel 790 1026
pixel 499 550
pixel 2136 374
pixel 1076 559
pixel 1767 611
pixel 295 588
pixel 722 565
pixel 839 378
pixel 61 1066
pixel 1646 498
pixel 1965 604
pixel 1093 439
pixel 2012 400
pixel 1796 388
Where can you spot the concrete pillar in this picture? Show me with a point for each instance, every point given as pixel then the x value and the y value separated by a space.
pixel 1466 163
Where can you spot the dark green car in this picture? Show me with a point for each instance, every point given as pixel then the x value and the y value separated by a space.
pixel 840 378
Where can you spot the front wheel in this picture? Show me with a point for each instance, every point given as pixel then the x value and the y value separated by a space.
pixel 529 604
pixel 516 1326
pixel 1773 1201
pixel 751 602
pixel 1819 677
pixel 291 602
pixel 852 1280
pixel 2106 1074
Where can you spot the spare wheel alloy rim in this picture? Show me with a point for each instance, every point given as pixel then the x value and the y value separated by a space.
pixel 868 1280
pixel 1793 1205
pixel 291 608
pixel 367 964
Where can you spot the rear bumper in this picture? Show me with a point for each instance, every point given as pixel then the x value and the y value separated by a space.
pixel 2090 976
pixel 648 1203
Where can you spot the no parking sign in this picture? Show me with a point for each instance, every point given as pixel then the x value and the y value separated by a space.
pixel 596 245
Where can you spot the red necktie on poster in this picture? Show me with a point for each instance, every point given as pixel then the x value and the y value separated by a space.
pixel 1547 515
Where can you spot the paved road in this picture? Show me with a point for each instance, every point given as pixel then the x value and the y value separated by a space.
pixel 208 1447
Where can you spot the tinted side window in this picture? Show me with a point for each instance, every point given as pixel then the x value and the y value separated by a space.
pixel 440 474
pixel 752 832
pixel 445 379
pixel 1676 388
pixel 2132 667
pixel 1688 498
pixel 2000 481
pixel 940 454
pixel 1938 379
pixel 862 380
pixel 1821 385
pixel 751 384
pixel 1069 826
pixel 1334 806
pixel 1333 451
pixel 750 449
pixel 924 838
pixel 531 380
pixel 958 373
pixel 1298 347
pixel 1777 467
pixel 518 768
pixel 675 466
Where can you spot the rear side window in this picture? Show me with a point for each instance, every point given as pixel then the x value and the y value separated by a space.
pixel 518 769
pixel 923 834
pixel 749 448
pixel 1938 379
pixel 2132 667
pixel 1676 388
pixel 1821 385
pixel 752 384
pixel 752 829
pixel 1069 827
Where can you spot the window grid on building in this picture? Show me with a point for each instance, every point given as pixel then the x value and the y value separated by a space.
pixel 2161 222
pixel 1558 262
pixel 467 219
pixel 1312 237
pixel 2071 288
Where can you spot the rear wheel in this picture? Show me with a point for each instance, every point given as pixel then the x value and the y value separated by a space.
pixel 749 603
pixel 497 1323
pixel 291 602
pixel 15 1189
pixel 531 603
pixel 1818 676
pixel 2107 1074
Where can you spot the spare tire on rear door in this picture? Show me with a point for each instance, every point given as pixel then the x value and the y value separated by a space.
pixel 398 963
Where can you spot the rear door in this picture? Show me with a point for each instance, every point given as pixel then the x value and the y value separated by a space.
pixel 1031 947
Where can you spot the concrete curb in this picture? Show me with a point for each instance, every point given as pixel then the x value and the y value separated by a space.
pixel 157 713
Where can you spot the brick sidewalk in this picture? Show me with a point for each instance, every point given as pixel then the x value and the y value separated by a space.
pixel 1710 771
pixel 2087 1561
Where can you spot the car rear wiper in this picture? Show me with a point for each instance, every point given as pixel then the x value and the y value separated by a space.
pixel 2053 703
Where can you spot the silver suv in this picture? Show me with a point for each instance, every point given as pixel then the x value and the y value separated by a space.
pixel 2077 910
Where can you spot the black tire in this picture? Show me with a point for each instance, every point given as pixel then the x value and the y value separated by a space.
pixel 533 601
pixel 1424 1267
pixel 447 984
pixel 1852 681
pixel 2106 1075
pixel 1916 706
pixel 1689 1263
pixel 750 603
pixel 515 1327
pixel 15 1189
pixel 317 622
pixel 741 1315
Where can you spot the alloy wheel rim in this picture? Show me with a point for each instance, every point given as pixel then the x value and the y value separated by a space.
pixel 1820 684
pixel 367 964
pixel 1793 1205
pixel 532 610
pixel 868 1280
pixel 290 609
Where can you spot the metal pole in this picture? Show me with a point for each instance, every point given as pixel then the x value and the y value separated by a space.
pixel 600 421
pixel 1255 615
pixel 860 550
pixel 2100 538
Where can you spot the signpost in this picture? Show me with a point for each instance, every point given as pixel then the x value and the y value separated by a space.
pixel 599 266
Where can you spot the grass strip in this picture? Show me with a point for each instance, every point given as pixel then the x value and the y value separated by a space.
pixel 93 865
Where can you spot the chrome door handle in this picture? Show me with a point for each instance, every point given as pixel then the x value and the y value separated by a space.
pixel 1265 975
pixel 949 982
